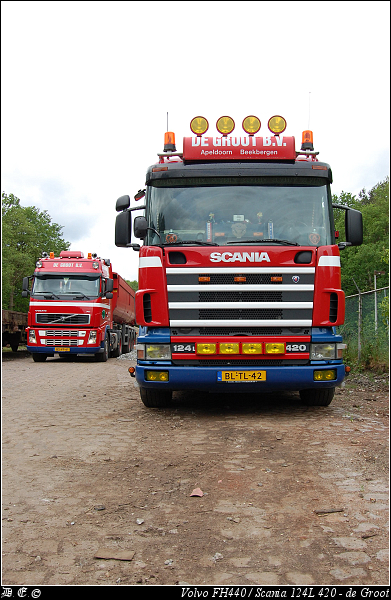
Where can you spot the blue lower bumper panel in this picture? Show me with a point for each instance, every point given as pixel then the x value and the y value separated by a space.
pixel 73 350
pixel 209 379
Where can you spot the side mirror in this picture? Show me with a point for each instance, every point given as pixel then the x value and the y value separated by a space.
pixel 140 227
pixel 109 285
pixel 109 295
pixel 353 227
pixel 122 203
pixel 25 287
pixel 123 229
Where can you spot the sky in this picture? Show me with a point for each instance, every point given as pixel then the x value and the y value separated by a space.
pixel 87 86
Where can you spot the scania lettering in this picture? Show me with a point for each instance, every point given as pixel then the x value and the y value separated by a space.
pixel 239 266
pixel 237 256
pixel 78 306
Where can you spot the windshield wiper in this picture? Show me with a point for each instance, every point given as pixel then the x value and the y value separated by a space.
pixel 49 294
pixel 81 293
pixel 274 241
pixel 181 242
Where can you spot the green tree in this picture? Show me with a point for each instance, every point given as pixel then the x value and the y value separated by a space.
pixel 133 284
pixel 27 232
pixel 362 261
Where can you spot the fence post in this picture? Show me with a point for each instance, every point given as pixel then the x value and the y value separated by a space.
pixel 374 276
pixel 359 321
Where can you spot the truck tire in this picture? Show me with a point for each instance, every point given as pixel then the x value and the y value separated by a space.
pixel 39 357
pixel 320 397
pixel 155 398
pixel 131 341
pixel 118 351
pixel 103 356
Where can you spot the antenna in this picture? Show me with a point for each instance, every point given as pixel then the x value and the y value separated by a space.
pixel 309 109
pixel 167 121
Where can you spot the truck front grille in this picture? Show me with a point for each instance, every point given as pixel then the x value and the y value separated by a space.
pixel 65 337
pixel 62 319
pixel 250 298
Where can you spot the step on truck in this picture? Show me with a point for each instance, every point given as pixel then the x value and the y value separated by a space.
pixel 239 267
pixel 79 306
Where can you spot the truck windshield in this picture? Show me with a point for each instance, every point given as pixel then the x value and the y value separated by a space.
pixel 234 210
pixel 66 285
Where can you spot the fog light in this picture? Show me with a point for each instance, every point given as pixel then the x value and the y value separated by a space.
pixel 206 348
pixel 156 375
pixel 229 348
pixel 251 348
pixel 274 348
pixel 327 375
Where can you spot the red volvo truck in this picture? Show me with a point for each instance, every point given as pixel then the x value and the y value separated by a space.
pixel 78 305
pixel 239 270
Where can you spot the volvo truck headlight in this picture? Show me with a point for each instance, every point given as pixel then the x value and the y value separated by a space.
pixel 92 338
pixel 322 352
pixel 157 352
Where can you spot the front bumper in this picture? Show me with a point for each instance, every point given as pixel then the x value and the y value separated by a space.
pixel 205 379
pixel 51 351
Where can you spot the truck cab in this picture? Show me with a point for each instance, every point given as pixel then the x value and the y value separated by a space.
pixel 239 272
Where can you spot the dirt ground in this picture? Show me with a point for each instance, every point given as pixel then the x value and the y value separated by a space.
pixel 96 488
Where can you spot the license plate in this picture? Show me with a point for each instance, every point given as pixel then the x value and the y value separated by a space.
pixel 61 349
pixel 244 376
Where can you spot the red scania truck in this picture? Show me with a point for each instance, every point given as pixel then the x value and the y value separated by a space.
pixel 78 305
pixel 239 271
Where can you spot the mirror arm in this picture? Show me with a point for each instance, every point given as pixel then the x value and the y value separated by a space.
pixel 157 233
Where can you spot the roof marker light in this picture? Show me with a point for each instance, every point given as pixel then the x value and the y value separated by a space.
pixel 225 125
pixel 199 125
pixel 307 140
pixel 169 142
pixel 251 125
pixel 276 124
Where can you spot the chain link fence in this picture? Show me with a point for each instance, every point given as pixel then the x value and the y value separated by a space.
pixel 366 328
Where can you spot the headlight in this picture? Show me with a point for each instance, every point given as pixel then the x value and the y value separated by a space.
pixel 32 338
pixel 322 352
pixel 92 338
pixel 157 352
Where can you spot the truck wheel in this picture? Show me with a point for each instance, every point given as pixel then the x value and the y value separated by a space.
pixel 39 357
pixel 118 351
pixel 320 397
pixel 156 398
pixel 103 356
pixel 131 343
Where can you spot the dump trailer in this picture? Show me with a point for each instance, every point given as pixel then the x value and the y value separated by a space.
pixel 78 305
pixel 239 267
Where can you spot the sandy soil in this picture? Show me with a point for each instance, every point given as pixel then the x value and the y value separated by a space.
pixel 96 488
